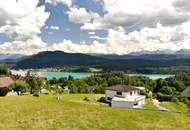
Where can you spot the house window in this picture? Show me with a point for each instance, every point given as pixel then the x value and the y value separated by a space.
pixel 119 93
pixel 131 93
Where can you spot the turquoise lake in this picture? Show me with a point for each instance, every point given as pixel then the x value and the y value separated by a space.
pixel 154 76
pixel 50 74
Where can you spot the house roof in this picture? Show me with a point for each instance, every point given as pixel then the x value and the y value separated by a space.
pixel 5 82
pixel 186 92
pixel 121 88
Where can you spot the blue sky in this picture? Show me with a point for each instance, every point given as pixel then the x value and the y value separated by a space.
pixel 94 26
pixel 69 30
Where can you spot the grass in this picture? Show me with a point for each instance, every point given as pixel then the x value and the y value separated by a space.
pixel 3 76
pixel 176 107
pixel 149 104
pixel 72 113
pixel 179 107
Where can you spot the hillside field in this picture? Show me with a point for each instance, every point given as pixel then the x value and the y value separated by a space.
pixel 73 113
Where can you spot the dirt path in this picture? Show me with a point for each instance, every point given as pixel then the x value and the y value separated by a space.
pixel 160 107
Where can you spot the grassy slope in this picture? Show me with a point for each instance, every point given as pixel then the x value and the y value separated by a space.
pixel 180 108
pixel 27 112
pixel 149 104
pixel 176 107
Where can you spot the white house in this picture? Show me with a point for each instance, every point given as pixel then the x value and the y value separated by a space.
pixel 124 96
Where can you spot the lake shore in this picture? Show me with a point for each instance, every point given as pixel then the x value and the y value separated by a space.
pixel 58 74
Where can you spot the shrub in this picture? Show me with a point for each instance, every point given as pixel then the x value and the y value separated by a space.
pixel 4 70
pixel 86 99
pixel 185 100
pixel 36 94
pixel 46 93
pixel 4 91
pixel 174 99
pixel 102 99
pixel 19 87
pixel 163 97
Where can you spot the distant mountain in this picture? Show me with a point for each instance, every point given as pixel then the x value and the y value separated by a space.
pixel 144 57
pixel 166 52
pixel 148 55
pixel 147 63
pixel 10 56
pixel 183 52
pixel 58 59
pixel 158 52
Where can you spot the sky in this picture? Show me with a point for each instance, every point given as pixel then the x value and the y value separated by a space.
pixel 94 26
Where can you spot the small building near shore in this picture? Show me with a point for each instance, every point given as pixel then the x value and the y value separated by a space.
pixel 124 96
pixel 4 84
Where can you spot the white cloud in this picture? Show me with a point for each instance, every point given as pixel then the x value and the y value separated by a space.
pixel 54 27
pixel 121 42
pixel 81 15
pixel 23 20
pixel 126 12
pixel 97 37
pixel 117 42
pixel 165 26
pixel 28 47
pixel 55 2
pixel 91 33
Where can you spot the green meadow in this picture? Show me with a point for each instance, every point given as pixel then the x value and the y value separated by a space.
pixel 73 113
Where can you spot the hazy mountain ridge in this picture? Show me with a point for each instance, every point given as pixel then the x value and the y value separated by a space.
pixel 10 56
pixel 134 64
pixel 58 59
pixel 149 55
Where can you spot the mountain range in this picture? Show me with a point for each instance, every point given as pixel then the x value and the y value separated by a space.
pixel 58 59
pixel 167 54
pixel 146 63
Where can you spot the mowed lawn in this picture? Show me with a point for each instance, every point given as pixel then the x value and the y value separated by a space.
pixel 72 113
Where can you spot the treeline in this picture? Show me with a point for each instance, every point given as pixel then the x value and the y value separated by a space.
pixel 168 89
pixel 97 83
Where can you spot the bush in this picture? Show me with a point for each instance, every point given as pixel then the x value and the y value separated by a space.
pixel 86 99
pixel 36 94
pixel 4 91
pixel 102 99
pixel 4 70
pixel 46 93
pixel 19 87
pixel 185 100
pixel 174 99
pixel 163 97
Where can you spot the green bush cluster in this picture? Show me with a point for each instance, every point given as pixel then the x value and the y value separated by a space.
pixel 4 91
